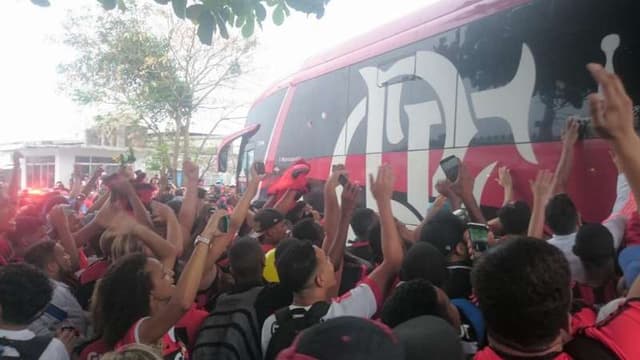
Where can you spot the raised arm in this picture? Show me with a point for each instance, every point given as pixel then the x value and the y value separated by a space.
pixel 287 201
pixel 541 189
pixel 505 180
pixel 91 184
pixel 392 252
pixel 563 169
pixel 58 219
pixel 153 328
pixel 337 246
pixel 125 187
pixel 188 210
pixel 164 213
pixel 463 187
pixel 242 207
pixel 613 119
pixel 163 250
pixel 331 207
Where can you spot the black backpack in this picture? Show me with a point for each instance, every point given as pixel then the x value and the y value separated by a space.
pixel 30 349
pixel 290 322
pixel 231 331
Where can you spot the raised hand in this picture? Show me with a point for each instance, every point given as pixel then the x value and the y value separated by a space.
pixel 463 186
pixel 382 185
pixel 333 181
pixel 542 186
pixel 612 112
pixel 571 132
pixel 349 197
pixel 255 177
pixel 504 177
pixel 191 170
pixel 58 216
pixel 211 230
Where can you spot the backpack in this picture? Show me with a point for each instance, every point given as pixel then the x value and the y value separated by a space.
pixel 471 315
pixel 231 331
pixel 290 322
pixel 30 349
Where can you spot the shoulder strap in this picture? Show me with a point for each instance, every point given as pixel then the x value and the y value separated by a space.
pixel 28 349
pixel 315 313
pixel 582 347
pixel 290 322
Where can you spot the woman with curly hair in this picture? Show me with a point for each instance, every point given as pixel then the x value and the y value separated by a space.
pixel 137 301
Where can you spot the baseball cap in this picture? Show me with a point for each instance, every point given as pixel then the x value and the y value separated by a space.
pixel 444 232
pixel 629 260
pixel 429 337
pixel 593 242
pixel 345 338
pixel 264 220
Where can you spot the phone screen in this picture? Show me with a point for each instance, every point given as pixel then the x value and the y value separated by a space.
pixel 450 165
pixel 223 224
pixel 479 235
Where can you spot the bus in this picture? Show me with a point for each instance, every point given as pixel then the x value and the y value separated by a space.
pixel 490 81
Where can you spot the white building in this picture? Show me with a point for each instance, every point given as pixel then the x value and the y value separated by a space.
pixel 47 162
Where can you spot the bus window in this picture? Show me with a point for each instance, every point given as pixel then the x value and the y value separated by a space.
pixel 264 113
pixel 317 113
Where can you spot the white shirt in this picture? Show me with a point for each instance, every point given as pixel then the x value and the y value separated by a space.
pixel 565 244
pixel 362 301
pixel 54 351
pixel 69 310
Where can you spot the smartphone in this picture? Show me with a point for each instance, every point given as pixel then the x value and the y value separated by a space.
pixel 479 235
pixel 259 166
pixel 451 166
pixel 343 180
pixel 223 224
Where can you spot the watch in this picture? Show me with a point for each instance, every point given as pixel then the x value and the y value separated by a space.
pixel 203 239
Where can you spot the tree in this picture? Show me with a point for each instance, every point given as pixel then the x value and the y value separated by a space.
pixel 136 73
pixel 213 16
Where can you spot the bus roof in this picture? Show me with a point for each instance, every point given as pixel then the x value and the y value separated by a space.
pixel 431 20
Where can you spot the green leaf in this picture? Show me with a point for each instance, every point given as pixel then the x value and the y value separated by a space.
pixel 222 26
pixel 239 20
pixel 108 4
pixel 179 8
pixel 247 29
pixel 278 15
pixel 261 12
pixel 206 27
pixel 122 6
pixel 193 11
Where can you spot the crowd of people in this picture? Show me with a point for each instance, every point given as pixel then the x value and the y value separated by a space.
pixel 141 271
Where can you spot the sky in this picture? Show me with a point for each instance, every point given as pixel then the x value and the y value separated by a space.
pixel 34 109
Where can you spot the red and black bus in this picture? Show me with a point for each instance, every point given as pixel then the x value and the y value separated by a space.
pixel 491 81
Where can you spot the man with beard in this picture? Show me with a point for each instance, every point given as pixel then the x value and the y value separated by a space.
pixel 63 311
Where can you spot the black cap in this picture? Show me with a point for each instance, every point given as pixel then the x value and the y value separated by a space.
pixel 444 231
pixel 429 337
pixel 266 219
pixel 345 338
